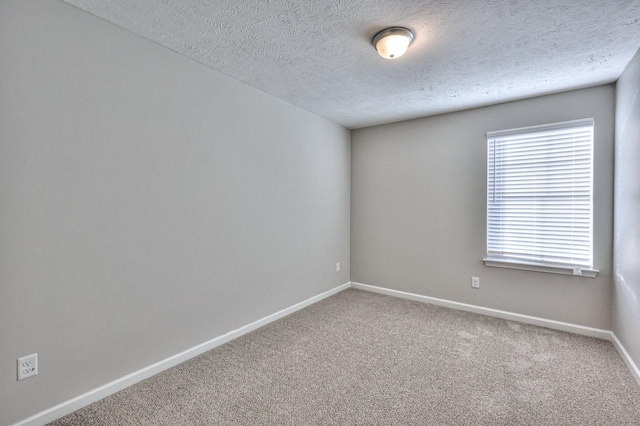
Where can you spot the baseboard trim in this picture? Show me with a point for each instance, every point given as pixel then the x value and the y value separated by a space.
pixel 97 394
pixel 556 325
pixel 542 322
pixel 635 371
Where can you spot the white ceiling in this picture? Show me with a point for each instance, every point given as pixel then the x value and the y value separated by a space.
pixel 317 54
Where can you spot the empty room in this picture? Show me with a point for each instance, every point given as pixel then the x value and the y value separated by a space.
pixel 371 212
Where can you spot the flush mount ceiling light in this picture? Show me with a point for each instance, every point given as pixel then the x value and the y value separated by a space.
pixel 393 42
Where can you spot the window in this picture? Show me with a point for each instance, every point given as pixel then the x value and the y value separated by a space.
pixel 539 198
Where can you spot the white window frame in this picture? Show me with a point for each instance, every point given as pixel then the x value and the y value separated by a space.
pixel 498 250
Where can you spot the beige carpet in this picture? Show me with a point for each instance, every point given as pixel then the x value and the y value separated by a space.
pixel 367 359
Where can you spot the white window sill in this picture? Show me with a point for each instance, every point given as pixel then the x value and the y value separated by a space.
pixel 537 267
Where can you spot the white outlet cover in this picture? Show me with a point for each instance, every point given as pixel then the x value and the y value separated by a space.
pixel 475 282
pixel 27 366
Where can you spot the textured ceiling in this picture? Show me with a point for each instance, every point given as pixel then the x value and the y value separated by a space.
pixel 317 54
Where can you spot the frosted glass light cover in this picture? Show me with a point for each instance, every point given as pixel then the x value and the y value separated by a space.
pixel 393 46
pixel 393 42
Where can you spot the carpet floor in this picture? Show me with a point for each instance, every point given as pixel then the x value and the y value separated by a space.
pixel 359 358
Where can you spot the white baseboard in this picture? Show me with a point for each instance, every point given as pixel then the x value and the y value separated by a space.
pixel 635 371
pixel 97 394
pixel 556 325
pixel 94 395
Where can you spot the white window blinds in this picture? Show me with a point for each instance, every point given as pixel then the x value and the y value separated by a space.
pixel 539 201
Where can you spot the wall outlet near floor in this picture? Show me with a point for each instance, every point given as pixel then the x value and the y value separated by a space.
pixel 337 267
pixel 475 282
pixel 27 366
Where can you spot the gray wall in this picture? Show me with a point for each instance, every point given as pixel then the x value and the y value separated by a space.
pixel 626 242
pixel 418 209
pixel 147 203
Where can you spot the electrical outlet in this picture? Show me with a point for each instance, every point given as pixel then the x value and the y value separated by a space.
pixel 27 366
pixel 337 267
pixel 475 282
